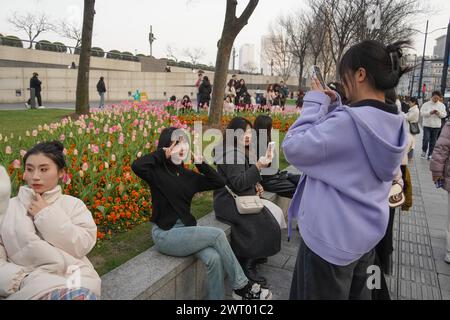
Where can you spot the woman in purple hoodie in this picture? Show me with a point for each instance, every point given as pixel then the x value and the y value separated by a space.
pixel 349 156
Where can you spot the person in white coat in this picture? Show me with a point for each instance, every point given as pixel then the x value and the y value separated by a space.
pixel 413 117
pixel 432 112
pixel 46 235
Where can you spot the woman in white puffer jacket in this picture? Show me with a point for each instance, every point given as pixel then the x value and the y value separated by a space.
pixel 45 235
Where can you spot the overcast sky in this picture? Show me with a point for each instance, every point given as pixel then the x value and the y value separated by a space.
pixel 124 25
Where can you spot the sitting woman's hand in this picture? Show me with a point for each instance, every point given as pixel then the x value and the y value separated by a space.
pixel 259 189
pixel 37 205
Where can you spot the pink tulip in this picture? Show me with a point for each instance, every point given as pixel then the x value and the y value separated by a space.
pixel 66 178
pixel 113 157
pixel 85 166
pixel 147 146
pixel 121 139
pixel 108 144
pixel 62 138
pixel 23 153
pixel 8 150
pixel 34 133
pixel 95 149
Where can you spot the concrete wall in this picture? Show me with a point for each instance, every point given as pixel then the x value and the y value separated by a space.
pixel 64 59
pixel 59 85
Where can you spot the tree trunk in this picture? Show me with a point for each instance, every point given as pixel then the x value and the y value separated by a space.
pixel 220 80
pixel 82 99
pixel 231 29
pixel 300 75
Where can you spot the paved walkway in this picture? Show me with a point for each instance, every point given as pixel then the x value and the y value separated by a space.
pixel 420 272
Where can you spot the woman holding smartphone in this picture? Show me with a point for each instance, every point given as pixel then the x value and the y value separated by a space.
pixel 254 237
pixel 349 156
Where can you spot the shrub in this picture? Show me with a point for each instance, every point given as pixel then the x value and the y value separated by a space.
pixel 113 54
pixel 12 41
pixel 97 52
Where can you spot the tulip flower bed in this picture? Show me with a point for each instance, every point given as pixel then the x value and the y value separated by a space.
pixel 281 121
pixel 100 148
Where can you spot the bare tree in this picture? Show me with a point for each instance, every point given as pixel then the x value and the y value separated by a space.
pixel 82 99
pixel 71 31
pixel 232 26
pixel 171 53
pixel 194 54
pixel 33 24
pixel 392 20
pixel 250 67
pixel 278 52
pixel 349 22
pixel 343 17
pixel 298 35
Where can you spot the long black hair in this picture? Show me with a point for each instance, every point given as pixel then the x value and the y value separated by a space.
pixel 230 144
pixel 263 122
pixel 382 63
pixel 53 150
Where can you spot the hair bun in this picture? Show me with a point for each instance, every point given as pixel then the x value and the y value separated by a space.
pixel 58 145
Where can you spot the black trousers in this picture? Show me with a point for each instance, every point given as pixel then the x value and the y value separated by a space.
pixel 316 279
pixel 430 136
pixel 39 98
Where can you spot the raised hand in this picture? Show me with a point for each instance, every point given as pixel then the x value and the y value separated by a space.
pixel 37 205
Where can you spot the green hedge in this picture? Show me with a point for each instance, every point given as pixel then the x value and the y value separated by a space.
pixel 60 47
pixel 45 45
pixel 113 54
pixel 12 41
pixel 97 52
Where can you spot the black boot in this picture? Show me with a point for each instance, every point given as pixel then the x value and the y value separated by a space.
pixel 249 267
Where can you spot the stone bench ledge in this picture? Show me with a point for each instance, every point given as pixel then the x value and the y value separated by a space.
pixel 152 275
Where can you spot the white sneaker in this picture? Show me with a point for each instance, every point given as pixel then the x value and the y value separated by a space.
pixel 447 257
pixel 423 155
pixel 27 105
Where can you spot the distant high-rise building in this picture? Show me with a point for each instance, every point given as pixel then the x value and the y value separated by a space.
pixel 439 48
pixel 247 60
pixel 266 42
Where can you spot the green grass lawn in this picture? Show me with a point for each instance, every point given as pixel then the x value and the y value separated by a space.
pixel 123 246
pixel 19 121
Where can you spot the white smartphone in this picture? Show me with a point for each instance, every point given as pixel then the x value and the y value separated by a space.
pixel 317 74
pixel 271 147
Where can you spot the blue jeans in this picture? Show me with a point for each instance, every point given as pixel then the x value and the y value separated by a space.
pixel 208 244
pixel 430 136
pixel 102 99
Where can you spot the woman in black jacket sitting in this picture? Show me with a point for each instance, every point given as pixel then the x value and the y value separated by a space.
pixel 253 236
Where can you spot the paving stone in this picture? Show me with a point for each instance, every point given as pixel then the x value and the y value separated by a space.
pixel 444 282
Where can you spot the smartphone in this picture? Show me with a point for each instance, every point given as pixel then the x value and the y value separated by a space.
pixel 271 147
pixel 317 74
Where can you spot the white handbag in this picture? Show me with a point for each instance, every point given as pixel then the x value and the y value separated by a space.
pixel 247 204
